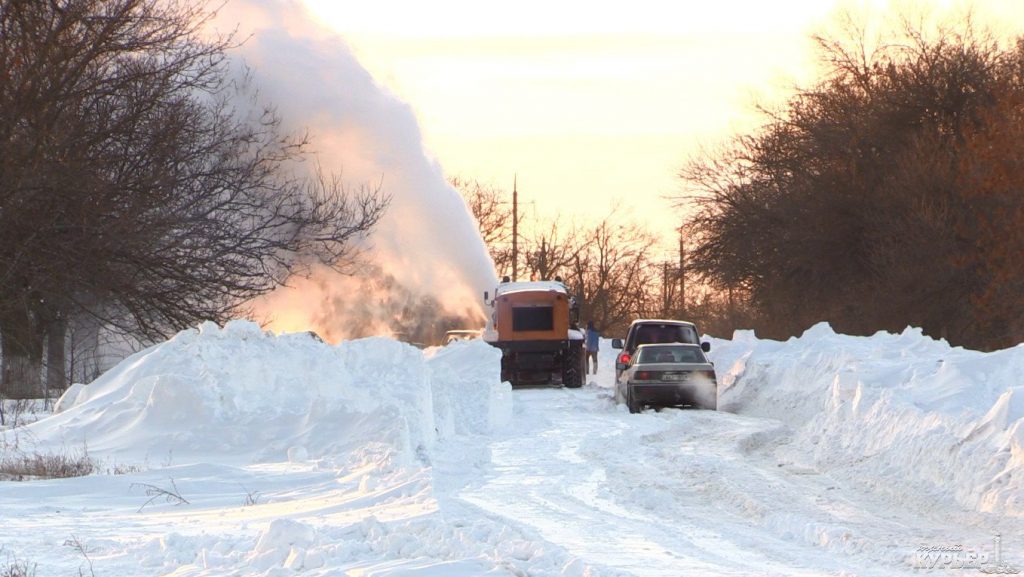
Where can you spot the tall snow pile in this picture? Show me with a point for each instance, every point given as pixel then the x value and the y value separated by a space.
pixel 906 415
pixel 246 395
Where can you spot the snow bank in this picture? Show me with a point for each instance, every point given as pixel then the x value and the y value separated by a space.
pixel 908 416
pixel 469 397
pixel 239 393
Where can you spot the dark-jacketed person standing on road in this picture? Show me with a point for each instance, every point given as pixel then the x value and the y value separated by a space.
pixel 593 344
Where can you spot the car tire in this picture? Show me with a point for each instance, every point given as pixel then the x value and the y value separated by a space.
pixel 633 406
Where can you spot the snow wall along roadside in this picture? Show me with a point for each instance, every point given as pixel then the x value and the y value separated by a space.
pixel 244 395
pixel 908 416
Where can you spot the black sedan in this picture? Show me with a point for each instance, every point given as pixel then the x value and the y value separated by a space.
pixel 668 375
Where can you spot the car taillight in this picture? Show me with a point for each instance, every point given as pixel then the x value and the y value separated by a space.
pixel 710 375
pixel 624 358
pixel 643 376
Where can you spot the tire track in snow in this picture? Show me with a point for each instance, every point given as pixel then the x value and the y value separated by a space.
pixel 685 492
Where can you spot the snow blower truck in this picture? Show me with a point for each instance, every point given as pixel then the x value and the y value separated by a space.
pixel 536 326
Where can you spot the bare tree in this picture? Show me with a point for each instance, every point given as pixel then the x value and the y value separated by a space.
pixel 864 200
pixel 551 248
pixel 141 182
pixel 492 209
pixel 608 266
pixel 620 284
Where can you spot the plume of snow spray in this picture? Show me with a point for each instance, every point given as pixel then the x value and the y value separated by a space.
pixel 432 266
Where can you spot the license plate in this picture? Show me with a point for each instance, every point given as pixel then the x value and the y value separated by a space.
pixel 675 376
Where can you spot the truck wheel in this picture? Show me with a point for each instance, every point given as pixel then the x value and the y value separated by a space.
pixel 572 376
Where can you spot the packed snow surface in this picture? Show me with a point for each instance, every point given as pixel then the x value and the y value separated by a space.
pixel 231 451
pixel 507 288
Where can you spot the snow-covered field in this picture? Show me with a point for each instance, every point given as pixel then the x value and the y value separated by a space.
pixel 228 451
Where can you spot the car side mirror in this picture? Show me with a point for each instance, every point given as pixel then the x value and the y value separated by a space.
pixel 616 343
pixel 705 346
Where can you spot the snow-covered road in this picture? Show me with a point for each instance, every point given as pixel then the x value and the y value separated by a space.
pixel 682 492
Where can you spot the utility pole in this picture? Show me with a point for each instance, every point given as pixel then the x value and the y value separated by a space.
pixel 665 304
pixel 542 260
pixel 682 275
pixel 515 228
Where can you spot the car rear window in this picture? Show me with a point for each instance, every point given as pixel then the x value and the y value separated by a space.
pixel 663 333
pixel 669 354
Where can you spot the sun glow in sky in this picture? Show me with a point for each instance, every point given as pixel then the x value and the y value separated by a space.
pixel 594 105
